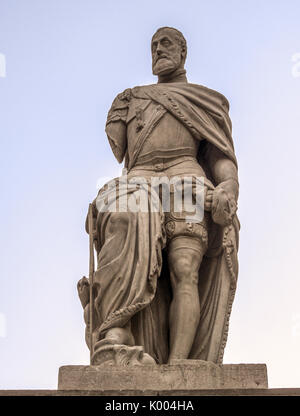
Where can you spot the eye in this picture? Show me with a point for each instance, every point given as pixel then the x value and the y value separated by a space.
pixel 165 42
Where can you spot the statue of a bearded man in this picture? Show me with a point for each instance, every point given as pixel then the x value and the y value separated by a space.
pixel 165 281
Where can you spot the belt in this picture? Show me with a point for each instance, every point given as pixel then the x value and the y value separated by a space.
pixel 159 164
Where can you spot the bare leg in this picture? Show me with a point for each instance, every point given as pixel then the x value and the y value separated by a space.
pixel 185 255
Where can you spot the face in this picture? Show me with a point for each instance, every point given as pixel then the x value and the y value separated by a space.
pixel 167 53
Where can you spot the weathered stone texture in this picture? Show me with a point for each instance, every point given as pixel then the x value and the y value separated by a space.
pixel 182 375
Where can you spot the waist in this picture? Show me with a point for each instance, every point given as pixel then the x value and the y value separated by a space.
pixel 159 163
pixel 177 167
pixel 165 156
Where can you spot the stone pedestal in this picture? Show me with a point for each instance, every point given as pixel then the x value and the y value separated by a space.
pixel 180 375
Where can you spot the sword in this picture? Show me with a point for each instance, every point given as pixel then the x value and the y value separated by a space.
pixel 91 274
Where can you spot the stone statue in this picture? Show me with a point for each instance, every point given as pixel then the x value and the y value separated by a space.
pixel 164 283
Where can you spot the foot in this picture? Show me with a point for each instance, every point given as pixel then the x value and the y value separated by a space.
pixel 119 336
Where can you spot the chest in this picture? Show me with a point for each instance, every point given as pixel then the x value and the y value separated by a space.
pixel 168 133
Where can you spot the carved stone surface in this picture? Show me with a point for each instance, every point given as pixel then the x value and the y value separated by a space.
pixel 178 375
pixel 156 393
pixel 165 277
pixel 121 355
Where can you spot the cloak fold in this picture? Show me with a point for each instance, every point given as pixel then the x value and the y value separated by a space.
pixel 136 288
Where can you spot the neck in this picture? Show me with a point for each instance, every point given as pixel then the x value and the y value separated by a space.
pixel 179 75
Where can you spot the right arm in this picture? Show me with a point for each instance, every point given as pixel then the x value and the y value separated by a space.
pixel 116 128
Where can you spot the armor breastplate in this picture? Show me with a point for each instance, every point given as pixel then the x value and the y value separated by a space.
pixel 169 138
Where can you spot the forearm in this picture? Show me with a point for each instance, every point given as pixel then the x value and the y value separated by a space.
pixel 225 195
pixel 225 174
pixel 223 170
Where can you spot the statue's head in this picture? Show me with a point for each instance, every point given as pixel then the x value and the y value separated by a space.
pixel 168 48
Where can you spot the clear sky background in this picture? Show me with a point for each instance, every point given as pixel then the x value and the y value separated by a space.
pixel 65 62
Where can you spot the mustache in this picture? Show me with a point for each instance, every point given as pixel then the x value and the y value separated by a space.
pixel 161 57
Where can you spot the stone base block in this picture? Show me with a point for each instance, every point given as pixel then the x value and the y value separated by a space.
pixel 179 375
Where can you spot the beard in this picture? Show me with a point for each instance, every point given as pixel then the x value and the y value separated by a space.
pixel 164 66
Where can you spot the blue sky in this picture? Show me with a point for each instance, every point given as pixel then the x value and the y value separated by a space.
pixel 65 62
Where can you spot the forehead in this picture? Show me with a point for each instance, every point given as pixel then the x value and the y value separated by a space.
pixel 165 33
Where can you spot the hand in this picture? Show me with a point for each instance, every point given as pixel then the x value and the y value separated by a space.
pixel 83 287
pixel 208 200
pixel 223 206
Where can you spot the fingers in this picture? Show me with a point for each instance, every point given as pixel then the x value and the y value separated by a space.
pixel 207 205
pixel 208 200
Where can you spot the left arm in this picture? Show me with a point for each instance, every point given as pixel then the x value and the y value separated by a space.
pixel 223 200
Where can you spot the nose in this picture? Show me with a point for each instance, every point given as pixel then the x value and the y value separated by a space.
pixel 158 49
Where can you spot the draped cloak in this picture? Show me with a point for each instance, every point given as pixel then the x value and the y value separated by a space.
pixel 132 278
